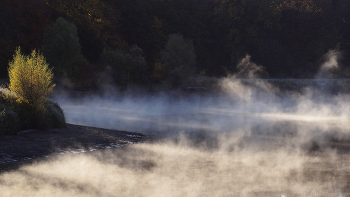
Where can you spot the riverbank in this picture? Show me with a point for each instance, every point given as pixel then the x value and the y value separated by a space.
pixel 31 145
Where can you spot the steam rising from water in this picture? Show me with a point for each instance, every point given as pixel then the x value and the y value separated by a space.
pixel 330 65
pixel 166 169
pixel 251 139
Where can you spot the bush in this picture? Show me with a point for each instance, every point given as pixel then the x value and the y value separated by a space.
pixel 54 116
pixel 10 100
pixel 15 114
pixel 9 121
pixel 31 80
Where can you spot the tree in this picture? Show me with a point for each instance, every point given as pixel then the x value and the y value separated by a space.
pixel 31 78
pixel 62 48
pixel 179 55
pixel 97 22
pixel 126 67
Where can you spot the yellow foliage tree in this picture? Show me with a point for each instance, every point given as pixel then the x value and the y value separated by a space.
pixel 31 78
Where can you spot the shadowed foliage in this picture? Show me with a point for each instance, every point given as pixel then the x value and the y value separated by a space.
pixel 287 37
pixel 125 68
pixel 62 48
pixel 9 122
pixel 179 55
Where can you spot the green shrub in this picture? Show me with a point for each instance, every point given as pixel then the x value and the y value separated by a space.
pixel 9 121
pixel 54 116
pixel 31 80
pixel 15 114
pixel 10 101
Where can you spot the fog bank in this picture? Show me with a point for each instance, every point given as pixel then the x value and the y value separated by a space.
pixel 251 137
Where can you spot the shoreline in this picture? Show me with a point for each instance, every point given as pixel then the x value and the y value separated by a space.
pixel 27 147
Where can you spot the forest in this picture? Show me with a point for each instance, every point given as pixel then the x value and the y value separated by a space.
pixel 146 42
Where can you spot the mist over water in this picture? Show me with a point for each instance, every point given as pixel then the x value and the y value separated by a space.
pixel 251 138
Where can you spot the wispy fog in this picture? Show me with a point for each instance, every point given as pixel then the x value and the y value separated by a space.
pixel 249 137
pixel 167 169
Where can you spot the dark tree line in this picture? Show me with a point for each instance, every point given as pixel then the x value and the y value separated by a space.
pixel 287 37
